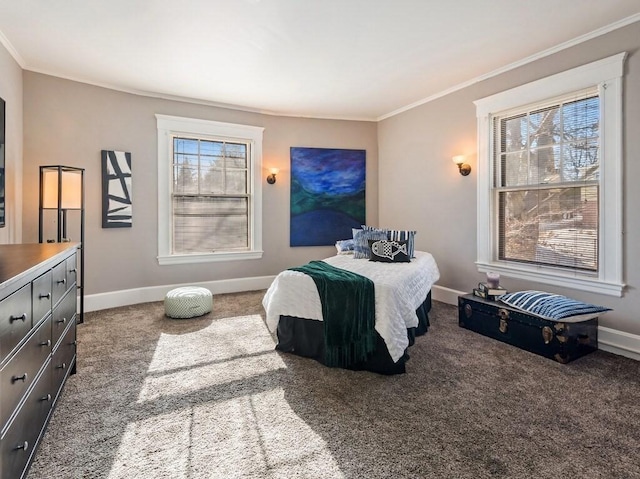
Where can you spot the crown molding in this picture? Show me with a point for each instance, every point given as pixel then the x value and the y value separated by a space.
pixel 512 66
pixel 12 51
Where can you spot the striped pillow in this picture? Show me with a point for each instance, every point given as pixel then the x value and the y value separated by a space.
pixel 552 306
pixel 404 235
pixel 398 235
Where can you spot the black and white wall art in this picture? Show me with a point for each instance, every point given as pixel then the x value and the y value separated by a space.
pixel 2 148
pixel 116 189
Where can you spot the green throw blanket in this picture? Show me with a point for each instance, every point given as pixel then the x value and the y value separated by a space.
pixel 348 311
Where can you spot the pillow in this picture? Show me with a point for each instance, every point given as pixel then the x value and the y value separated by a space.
pixel 552 306
pixel 386 251
pixel 398 235
pixel 361 242
pixel 404 235
pixel 373 228
pixel 344 246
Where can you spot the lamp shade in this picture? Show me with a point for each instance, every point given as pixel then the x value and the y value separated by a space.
pixel 71 189
pixel 458 159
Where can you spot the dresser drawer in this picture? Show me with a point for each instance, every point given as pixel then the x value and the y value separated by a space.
pixel 41 294
pixel 72 270
pixel 18 374
pixel 59 285
pixel 62 314
pixel 63 358
pixel 15 320
pixel 19 441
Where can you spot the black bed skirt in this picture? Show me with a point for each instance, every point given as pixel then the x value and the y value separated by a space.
pixel 305 337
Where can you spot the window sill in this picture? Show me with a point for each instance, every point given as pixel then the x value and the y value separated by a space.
pixel 555 278
pixel 208 257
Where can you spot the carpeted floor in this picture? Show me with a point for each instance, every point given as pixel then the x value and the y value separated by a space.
pixel 211 398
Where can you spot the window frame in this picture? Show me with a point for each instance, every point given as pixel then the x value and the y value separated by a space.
pixel 171 126
pixel 606 75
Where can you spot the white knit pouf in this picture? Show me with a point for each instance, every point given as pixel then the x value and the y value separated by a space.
pixel 188 302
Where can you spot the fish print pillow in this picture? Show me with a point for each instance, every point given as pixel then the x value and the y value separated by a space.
pixel 389 251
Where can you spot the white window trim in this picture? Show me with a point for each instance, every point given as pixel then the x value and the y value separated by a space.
pixel 607 75
pixel 173 125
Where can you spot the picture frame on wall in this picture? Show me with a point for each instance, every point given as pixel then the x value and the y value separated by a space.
pixel 328 194
pixel 117 207
pixel 3 199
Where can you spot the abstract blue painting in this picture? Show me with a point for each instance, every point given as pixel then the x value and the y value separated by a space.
pixel 327 195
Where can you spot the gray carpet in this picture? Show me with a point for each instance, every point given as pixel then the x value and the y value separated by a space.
pixel 210 398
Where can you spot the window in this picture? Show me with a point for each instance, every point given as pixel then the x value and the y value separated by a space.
pixel 546 166
pixel 549 180
pixel 209 191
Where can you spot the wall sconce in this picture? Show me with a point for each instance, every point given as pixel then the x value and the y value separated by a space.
pixel 271 179
pixel 463 167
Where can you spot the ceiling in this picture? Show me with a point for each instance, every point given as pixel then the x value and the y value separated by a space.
pixel 351 59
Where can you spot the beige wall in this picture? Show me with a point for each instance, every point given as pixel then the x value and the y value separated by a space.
pixel 69 123
pixel 421 188
pixel 11 93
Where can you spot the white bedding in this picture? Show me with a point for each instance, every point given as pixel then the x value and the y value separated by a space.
pixel 399 289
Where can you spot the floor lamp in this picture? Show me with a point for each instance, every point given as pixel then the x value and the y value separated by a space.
pixel 61 190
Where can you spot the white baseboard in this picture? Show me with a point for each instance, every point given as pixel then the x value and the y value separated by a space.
pixel 619 342
pixel 445 295
pixel 114 299
pixel 610 340
pixel 126 297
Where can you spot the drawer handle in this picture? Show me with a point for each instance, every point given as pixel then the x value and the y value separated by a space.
pixel 46 398
pixel 45 296
pixel 24 445
pixel 62 281
pixel 73 343
pixel 63 320
pixel 62 366
pixel 23 317
pixel 46 343
pixel 19 378
pixel 72 270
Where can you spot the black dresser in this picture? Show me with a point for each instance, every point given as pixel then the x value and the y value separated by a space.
pixel 37 344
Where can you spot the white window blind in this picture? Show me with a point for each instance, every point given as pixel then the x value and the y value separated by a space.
pixel 210 197
pixel 547 169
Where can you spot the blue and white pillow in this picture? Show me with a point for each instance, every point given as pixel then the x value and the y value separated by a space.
pixel 345 246
pixel 404 235
pixel 552 306
pixel 361 239
pixel 398 235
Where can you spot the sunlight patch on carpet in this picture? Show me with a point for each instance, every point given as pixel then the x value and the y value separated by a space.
pixel 157 447
pixel 253 436
pixel 212 406
pixel 223 339
pixel 229 350
pixel 258 436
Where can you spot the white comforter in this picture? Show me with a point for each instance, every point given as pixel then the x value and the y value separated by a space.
pixel 399 289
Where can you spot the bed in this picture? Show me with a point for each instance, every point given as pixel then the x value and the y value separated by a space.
pixel 402 294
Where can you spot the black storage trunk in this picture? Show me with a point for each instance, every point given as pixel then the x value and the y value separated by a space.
pixel 561 341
